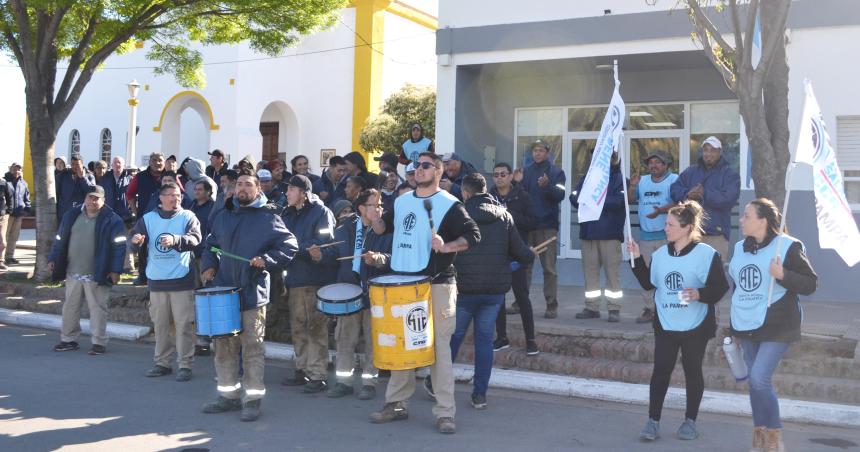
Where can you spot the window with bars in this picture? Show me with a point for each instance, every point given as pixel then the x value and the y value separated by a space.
pixel 848 156
pixel 106 140
pixel 75 143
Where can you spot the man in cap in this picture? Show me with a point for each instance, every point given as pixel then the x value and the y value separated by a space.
pixel 18 208
pixel 415 145
pixel 88 254
pixel 388 163
pixel 274 195
pixel 455 170
pixel 652 191
pixel 410 175
pixel 217 166
pixel 714 184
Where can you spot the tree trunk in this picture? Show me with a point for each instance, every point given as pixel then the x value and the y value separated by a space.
pixel 42 139
pixel 775 90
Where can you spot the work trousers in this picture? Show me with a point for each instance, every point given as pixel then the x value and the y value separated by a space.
pixel 606 254
pixel 97 298
pixel 310 332
pixel 347 333
pixel 173 317
pixel 248 347
pixel 548 264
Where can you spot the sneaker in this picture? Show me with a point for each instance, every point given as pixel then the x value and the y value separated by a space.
pixel 367 392
pixel 337 391
pixel 221 405
pixel 97 350
pixel 513 309
pixel 614 317
pixel 588 314
pixel 446 425
pixel 250 411
pixel 501 344
pixel 551 311
pixel 314 386
pixel 159 371
pixel 183 375
pixel 298 379
pixel 428 387
pixel 650 431
pixel 687 430
pixel 479 401
pixel 532 348
pixel 66 347
pixel 646 317
pixel 394 411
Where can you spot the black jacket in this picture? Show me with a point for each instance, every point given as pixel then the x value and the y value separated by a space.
pixel 5 198
pixel 312 225
pixel 372 242
pixel 485 268
pixel 520 206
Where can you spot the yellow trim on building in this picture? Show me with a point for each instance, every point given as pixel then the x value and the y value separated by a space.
pixel 28 160
pixel 413 14
pixel 367 67
pixel 212 125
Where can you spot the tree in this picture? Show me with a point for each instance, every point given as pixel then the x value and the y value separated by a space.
pixel 762 90
pixel 84 33
pixel 387 131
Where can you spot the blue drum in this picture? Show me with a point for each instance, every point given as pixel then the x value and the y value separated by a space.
pixel 339 299
pixel 218 311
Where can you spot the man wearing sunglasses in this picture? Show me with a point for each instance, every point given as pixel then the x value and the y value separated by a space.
pixel 424 248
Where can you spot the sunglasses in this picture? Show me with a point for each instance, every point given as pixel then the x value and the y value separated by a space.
pixel 425 165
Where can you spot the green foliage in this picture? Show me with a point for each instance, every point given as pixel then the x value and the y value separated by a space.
pixel 387 131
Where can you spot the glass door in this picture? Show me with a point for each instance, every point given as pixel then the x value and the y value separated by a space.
pixel 575 161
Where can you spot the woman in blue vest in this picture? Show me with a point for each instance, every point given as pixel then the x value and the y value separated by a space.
pixel 766 327
pixel 688 279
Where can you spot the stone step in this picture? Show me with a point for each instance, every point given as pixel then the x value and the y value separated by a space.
pixel 837 390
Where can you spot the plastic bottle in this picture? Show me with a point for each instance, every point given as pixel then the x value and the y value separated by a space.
pixel 735 357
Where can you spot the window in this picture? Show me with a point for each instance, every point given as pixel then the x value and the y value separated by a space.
pixel 639 117
pixel 719 119
pixel 538 124
pixel 106 140
pixel 848 156
pixel 75 143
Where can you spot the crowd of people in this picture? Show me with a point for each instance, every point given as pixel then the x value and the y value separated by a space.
pixel 297 232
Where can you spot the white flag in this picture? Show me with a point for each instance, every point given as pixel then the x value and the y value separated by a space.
pixel 593 192
pixel 836 227
pixel 756 41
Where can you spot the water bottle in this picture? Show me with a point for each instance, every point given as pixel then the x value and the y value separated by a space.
pixel 683 298
pixel 735 357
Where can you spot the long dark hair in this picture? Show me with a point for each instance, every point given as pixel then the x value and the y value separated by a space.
pixel 767 209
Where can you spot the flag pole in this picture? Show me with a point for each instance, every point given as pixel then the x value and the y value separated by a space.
pixel 790 171
pixel 620 148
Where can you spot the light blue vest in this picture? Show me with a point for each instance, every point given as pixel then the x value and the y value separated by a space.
pixel 166 263
pixel 410 250
pixel 751 273
pixel 671 274
pixel 653 194
pixel 413 150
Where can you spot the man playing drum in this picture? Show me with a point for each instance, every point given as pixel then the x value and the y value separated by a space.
pixel 249 228
pixel 372 254
pixel 425 247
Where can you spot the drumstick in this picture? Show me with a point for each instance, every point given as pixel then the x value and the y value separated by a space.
pixel 350 257
pixel 545 243
pixel 330 244
pixel 221 252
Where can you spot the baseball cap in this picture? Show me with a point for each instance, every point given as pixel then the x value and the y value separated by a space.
pixel 388 158
pixel 217 153
pixel 713 141
pixel 410 168
pixel 660 154
pixel 97 191
pixel 416 126
pixel 16 164
pixel 172 157
pixel 264 175
pixel 451 156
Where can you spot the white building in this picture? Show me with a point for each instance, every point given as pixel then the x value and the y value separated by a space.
pixel 511 72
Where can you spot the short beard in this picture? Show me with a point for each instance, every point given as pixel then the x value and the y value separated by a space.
pixel 246 204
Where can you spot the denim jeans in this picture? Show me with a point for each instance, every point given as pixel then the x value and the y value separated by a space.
pixel 762 359
pixel 483 309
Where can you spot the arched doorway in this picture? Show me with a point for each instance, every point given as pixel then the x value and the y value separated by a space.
pixel 279 128
pixel 185 126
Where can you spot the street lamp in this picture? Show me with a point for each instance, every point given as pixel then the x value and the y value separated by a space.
pixel 133 89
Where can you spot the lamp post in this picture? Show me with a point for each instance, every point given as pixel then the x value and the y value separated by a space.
pixel 133 89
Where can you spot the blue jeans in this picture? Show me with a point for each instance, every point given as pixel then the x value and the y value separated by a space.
pixel 483 309
pixel 762 359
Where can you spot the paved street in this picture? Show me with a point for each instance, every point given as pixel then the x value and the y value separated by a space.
pixel 72 401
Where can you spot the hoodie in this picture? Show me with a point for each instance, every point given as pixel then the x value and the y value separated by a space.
pixel 485 269
pixel 195 171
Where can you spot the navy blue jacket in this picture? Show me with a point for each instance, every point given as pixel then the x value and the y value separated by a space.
pixel 72 191
pixel 722 189
pixel 202 212
pixel 110 245
pixel 545 199
pixel 19 194
pixel 115 193
pixel 248 231
pixel 313 225
pixel 324 184
pixel 610 225
pixel 146 186
pixel 372 242
pixel 466 168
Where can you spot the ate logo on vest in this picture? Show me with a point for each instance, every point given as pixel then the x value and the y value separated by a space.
pixel 159 247
pixel 416 319
pixel 409 222
pixel 674 281
pixel 749 278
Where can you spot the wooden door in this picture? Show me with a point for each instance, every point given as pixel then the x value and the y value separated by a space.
pixel 269 130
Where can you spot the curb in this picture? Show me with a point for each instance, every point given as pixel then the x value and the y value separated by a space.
pixel 800 411
pixel 115 330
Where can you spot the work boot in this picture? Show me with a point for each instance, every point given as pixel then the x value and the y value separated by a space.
pixel 250 411
pixel 394 411
pixel 221 405
pixel 298 379
pixel 773 440
pixel 759 439
pixel 651 431
pixel 551 311
pixel 183 375
pixel 159 371
pixel 314 386
pixel 367 392
pixel 688 431
pixel 646 317
pixel 66 347
pixel 337 391
pixel 614 317
pixel 588 314
pixel 97 350
pixel 446 425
